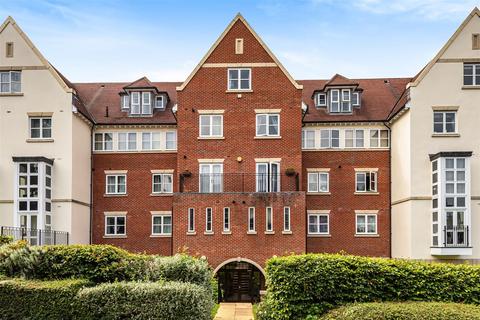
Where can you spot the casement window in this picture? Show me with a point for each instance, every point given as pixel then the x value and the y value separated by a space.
pixel 171 140
pixel 308 139
pixel 125 102
pixel 135 103
pixel 116 184
pixel 191 220
pixel 103 141
pixel 379 138
pixel 10 82
pixel 28 187
pixel 115 225
pixel 251 219
pixel 268 125
pixel 211 126
pixel 162 224
pixel 209 220
pixel 329 138
pixel 162 183
pixel 159 102
pixel 268 177
pixel 40 127
pixel 354 138
pixel 366 181
pixel 366 223
pixel 471 74
pixel 239 79
pixel 346 101
pixel 127 141
pixel 146 103
pixel 226 219
pixel 356 99
pixel 444 121
pixel 151 141
pixel 334 100
pixel 286 219
pixel 211 177
pixel 318 224
pixel 318 182
pixel 269 219
pixel 321 100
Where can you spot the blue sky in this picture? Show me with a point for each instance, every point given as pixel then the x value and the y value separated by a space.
pixel 113 40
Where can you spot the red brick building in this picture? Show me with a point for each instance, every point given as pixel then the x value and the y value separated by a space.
pixel 241 162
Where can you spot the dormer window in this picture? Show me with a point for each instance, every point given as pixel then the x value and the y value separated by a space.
pixel 159 103
pixel 135 103
pixel 346 100
pixel 146 103
pixel 341 100
pixel 356 99
pixel 125 101
pixel 335 100
pixel 321 100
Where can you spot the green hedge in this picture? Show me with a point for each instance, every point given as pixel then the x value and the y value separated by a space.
pixel 22 299
pixel 311 284
pixel 129 300
pixel 5 240
pixel 405 311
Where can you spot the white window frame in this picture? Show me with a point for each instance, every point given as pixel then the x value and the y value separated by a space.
pixel 191 220
pixel 10 82
pixel 330 139
pixel 162 105
pixel 268 185
pixel 357 99
pixel 213 178
pixel 146 103
pixel 239 79
pixel 174 141
pixel 226 219
pixel 162 224
pixel 116 184
pixel 318 223
pixel 316 175
pixel 103 142
pixel 267 124
pixel 355 138
pixel 379 138
pixel 148 138
pixel 346 99
pixel 474 75
pixel 209 216
pixel 162 183
pixel 210 125
pixel 287 227
pixel 116 225
pixel 444 122
pixel 332 101
pixel 366 215
pixel 269 216
pixel 134 107
pixel 41 128
pixel 125 102
pixel 365 173
pixel 251 217
pixel 305 133
pixel 318 100
pixel 130 138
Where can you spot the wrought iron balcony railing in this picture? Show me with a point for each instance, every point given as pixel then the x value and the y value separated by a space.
pixel 238 182
pixel 456 236
pixel 36 236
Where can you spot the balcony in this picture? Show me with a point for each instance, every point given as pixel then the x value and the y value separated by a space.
pixel 238 182
pixel 456 242
pixel 36 237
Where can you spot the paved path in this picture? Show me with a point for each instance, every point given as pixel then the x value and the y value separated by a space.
pixel 234 311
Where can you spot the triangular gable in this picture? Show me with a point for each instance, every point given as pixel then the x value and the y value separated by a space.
pixel 339 80
pixel 11 21
pixel 143 82
pixel 428 67
pixel 238 17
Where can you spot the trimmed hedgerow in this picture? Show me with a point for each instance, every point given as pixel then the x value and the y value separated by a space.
pixel 26 299
pixel 141 300
pixel 311 284
pixel 404 311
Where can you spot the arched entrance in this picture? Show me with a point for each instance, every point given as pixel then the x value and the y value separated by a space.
pixel 240 280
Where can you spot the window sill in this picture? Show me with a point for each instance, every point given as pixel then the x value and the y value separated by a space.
pixel 209 233
pixel 251 232
pixel 319 235
pixel 366 193
pixel 226 232
pixel 239 91
pixel 11 94
pixel 373 235
pixel 38 140
pixel 269 232
pixel 191 233
pixel 445 135
pixel 210 138
pixel 161 235
pixel 470 87
pixel 287 232
pixel 267 137
pixel 115 237
pixel 169 194
pixel 106 195
pixel 318 193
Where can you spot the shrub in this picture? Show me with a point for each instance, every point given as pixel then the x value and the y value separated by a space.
pixel 5 240
pixel 23 299
pixel 137 300
pixel 310 284
pixel 404 311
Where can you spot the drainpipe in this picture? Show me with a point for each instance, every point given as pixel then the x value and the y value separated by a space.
pixel 390 179
pixel 91 183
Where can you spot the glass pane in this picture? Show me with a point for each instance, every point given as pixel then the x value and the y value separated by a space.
pixel 449 163
pixel 46 123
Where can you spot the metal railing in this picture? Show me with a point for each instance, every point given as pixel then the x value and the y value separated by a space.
pixel 238 182
pixel 456 236
pixel 36 236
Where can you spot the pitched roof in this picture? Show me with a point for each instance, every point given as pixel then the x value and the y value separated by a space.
pixel 98 97
pixel 339 80
pixel 379 97
pixel 143 83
